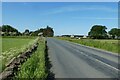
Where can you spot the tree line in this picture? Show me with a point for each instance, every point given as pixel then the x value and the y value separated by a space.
pixel 99 32
pixel 96 32
pixel 7 30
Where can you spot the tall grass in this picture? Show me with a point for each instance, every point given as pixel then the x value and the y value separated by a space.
pixel 0 53
pixel 34 67
pixel 109 45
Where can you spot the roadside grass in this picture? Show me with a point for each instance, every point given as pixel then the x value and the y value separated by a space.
pixel 12 47
pixel 34 67
pixel 108 45
pixel 0 53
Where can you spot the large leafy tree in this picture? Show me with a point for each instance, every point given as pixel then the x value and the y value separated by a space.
pixel 98 32
pixel 114 32
pixel 26 32
pixel 9 30
pixel 47 32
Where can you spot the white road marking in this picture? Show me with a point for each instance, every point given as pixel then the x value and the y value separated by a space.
pixel 100 61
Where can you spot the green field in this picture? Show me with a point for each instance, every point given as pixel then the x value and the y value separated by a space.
pixel 108 45
pixel 11 47
pixel 34 67
pixel 14 43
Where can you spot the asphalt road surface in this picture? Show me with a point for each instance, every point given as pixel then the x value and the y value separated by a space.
pixel 71 60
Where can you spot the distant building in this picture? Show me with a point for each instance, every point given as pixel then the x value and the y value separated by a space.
pixel 40 34
pixel 72 36
pixel 66 36
pixel 84 36
pixel 78 36
pixel 75 36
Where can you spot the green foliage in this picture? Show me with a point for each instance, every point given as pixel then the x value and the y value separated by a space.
pixel 9 31
pixel 47 32
pixel 114 32
pixel 98 32
pixel 27 32
pixel 8 28
pixel 34 67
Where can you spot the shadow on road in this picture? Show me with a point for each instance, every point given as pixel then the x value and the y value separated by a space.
pixel 51 75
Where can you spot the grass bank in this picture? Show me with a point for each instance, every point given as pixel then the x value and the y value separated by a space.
pixel 34 67
pixel 108 45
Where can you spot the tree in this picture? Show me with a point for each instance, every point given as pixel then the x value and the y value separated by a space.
pixel 47 32
pixel 118 34
pixel 26 32
pixel 114 32
pixel 98 32
pixel 0 29
pixel 9 30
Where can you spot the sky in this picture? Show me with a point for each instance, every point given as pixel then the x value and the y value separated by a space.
pixel 64 17
pixel 60 0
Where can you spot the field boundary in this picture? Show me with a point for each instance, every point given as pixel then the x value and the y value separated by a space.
pixel 14 64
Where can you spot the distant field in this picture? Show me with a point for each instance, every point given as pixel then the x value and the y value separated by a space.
pixel 10 43
pixel 109 45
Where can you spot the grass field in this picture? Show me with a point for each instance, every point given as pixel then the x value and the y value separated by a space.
pixel 14 43
pixel 108 45
pixel 12 47
pixel 34 67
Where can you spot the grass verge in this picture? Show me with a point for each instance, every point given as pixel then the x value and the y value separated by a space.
pixel 108 45
pixel 34 67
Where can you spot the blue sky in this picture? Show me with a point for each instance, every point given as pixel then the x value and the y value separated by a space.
pixel 63 17
pixel 60 0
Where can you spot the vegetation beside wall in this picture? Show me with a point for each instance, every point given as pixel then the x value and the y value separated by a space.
pixel 34 67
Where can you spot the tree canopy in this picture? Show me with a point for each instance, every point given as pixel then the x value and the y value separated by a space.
pixel 26 32
pixel 9 30
pixel 47 32
pixel 114 32
pixel 98 32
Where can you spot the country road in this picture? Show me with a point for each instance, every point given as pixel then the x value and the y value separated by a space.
pixel 70 60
